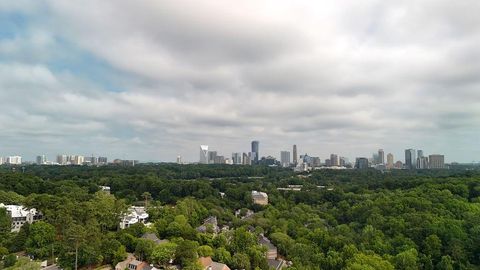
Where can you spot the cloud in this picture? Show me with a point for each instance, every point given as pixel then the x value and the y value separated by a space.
pixel 154 79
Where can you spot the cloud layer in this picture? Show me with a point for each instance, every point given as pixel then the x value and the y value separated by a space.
pixel 154 79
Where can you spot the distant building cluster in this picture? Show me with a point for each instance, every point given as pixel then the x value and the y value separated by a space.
pixel 414 159
pixel 73 160
pixel 11 160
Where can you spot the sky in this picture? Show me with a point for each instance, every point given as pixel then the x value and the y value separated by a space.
pixel 154 79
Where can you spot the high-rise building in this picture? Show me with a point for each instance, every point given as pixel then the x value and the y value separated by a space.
pixel 41 160
pixel 246 159
pixel 78 160
pixel 436 161
pixel 334 160
pixel 211 157
pixel 361 163
pixel 179 159
pixel 255 151
pixel 381 156
pixel 419 153
pixel 102 160
pixel 422 162
pixel 62 159
pixel 2 160
pixel 410 159
pixel 204 154
pixel 219 160
pixel 285 158
pixel 389 161
pixel 295 161
pixel 237 158
pixel 315 162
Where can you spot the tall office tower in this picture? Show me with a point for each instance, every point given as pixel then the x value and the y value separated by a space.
pixel 419 153
pixel 422 162
pixel 419 161
pixel 62 159
pixel 79 160
pixel 343 161
pixel 237 158
pixel 389 161
pixel 179 159
pixel 316 162
pixel 361 163
pixel 2 160
pixel 102 160
pixel 295 161
pixel 211 157
pixel 246 159
pixel 410 159
pixel 334 160
pixel 436 161
pixel 204 154
pixel 381 156
pixel 255 153
pixel 14 160
pixel 41 160
pixel 285 158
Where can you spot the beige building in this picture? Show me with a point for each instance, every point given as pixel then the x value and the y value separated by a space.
pixel 260 198
pixel 436 161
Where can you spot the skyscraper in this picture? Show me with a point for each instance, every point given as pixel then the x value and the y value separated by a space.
pixel 389 161
pixel 204 154
pixel 246 159
pixel 295 155
pixel 41 160
pixel 410 159
pixel 237 158
pixel 285 158
pixel 334 160
pixel 255 152
pixel 436 161
pixel 361 163
pixel 381 156
pixel 211 156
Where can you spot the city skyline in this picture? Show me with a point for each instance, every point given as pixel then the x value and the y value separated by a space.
pixel 332 77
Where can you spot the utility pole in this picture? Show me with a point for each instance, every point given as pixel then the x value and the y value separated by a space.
pixel 76 255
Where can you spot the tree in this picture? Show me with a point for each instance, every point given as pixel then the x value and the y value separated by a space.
pixel 186 252
pixel 144 249
pixel 407 260
pixel 433 246
pixel 40 239
pixel 205 251
pixel 446 263
pixel 5 224
pixel 241 261
pixel 163 253
pixel 9 260
pixel 119 255
pixel 363 261
pixel 222 255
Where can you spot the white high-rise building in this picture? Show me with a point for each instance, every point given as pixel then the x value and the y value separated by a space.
pixel 41 160
pixel 285 158
pixel 179 159
pixel 2 160
pixel 204 154
pixel 14 160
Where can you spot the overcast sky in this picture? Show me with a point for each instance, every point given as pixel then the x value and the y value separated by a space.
pixel 151 80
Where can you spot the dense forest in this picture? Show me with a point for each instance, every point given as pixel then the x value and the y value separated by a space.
pixel 340 219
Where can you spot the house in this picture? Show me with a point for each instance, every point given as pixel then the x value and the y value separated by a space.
pixel 131 263
pixel 208 264
pixel 136 265
pixel 271 249
pixel 134 215
pixel 276 264
pixel 154 238
pixel 210 222
pixel 260 198
pixel 105 189
pixel 248 213
pixel 21 215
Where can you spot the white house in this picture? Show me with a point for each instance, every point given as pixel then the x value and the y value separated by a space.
pixel 134 215
pixel 21 215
